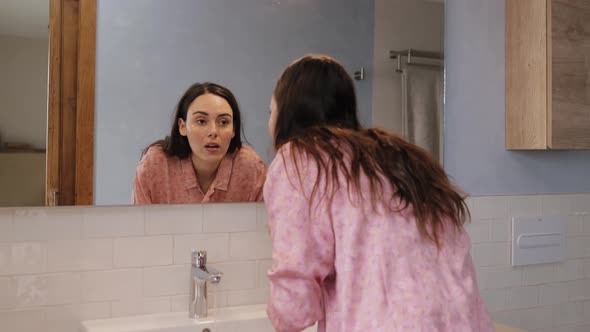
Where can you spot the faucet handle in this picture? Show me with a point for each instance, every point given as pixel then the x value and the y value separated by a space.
pixel 214 275
pixel 199 258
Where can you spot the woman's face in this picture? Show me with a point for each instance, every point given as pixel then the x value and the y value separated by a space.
pixel 272 120
pixel 208 127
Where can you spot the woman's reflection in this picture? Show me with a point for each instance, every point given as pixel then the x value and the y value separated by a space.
pixel 203 159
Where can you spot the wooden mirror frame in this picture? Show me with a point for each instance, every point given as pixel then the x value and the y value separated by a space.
pixel 70 106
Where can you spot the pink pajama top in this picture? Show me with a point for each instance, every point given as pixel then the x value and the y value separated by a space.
pixel 161 179
pixel 362 270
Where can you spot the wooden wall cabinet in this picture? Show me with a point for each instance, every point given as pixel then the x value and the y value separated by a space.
pixel 547 74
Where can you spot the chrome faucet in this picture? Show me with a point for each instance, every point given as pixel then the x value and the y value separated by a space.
pixel 200 274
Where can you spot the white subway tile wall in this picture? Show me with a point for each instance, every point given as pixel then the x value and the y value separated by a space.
pixel 143 251
pixel 23 320
pixel 538 298
pixel 184 220
pixel 229 218
pixel 38 224
pixel 79 255
pixel 6 225
pixel 108 285
pixel 217 245
pixel 59 266
pixel 166 280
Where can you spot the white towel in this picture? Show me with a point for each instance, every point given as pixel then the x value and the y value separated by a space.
pixel 422 107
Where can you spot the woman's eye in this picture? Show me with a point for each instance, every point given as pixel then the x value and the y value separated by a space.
pixel 201 121
pixel 223 122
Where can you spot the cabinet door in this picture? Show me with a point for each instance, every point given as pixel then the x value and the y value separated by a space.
pixel 526 74
pixel 569 104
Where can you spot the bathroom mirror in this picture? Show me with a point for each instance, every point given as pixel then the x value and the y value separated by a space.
pixel 23 101
pixel 148 52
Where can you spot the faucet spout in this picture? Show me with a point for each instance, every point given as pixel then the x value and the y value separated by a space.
pixel 200 275
pixel 208 274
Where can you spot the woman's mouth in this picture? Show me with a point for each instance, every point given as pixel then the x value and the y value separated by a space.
pixel 212 147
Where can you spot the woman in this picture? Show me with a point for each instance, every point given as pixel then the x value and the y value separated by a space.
pixel 367 232
pixel 203 159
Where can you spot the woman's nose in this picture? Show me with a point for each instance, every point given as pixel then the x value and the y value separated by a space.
pixel 213 131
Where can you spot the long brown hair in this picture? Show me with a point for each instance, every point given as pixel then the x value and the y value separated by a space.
pixel 317 116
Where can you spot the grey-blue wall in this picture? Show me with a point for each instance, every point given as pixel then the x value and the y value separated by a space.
pixel 474 126
pixel 150 51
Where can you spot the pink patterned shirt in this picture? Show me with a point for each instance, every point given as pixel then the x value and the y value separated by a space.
pixel 161 179
pixel 361 270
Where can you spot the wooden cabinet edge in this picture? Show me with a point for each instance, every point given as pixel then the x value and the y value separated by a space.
pixel 549 114
pixel 525 51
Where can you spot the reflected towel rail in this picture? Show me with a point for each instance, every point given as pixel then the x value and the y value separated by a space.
pixel 410 54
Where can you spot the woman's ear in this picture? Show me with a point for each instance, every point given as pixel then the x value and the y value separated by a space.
pixel 182 127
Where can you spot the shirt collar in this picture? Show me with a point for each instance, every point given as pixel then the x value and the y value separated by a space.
pixel 221 181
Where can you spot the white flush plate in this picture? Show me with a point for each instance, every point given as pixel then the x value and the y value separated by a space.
pixel 538 240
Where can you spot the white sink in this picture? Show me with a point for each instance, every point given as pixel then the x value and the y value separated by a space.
pixel 231 319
